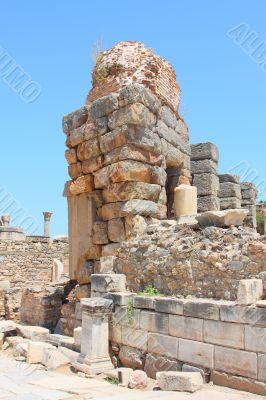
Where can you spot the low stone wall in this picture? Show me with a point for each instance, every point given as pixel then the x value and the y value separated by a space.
pixel 27 263
pixel 181 261
pixel 225 340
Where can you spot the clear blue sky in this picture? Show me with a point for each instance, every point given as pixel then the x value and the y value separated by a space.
pixel 223 88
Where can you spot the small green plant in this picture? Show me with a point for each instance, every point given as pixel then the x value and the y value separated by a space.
pixel 150 291
pixel 130 312
pixel 260 216
pixel 112 380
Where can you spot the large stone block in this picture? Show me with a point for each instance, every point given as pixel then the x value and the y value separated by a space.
pixel 83 274
pixel 132 152
pixel 88 149
pixel 75 137
pixel 229 189
pixel 83 184
pixel 262 368
pixel 134 338
pixel 230 203
pixel 130 357
pixel 105 265
pixel 131 207
pixel 229 178
pixel 205 309
pixel 179 381
pixel 237 362
pixel 104 106
pixel 244 315
pixel 204 166
pixel 158 176
pixel 249 291
pixel 186 327
pixel 202 151
pixel 138 136
pixel 182 130
pixel 110 249
pixel 154 322
pixel 136 93
pixel 224 333
pixel 119 299
pixel 116 230
pixel 135 226
pixel 208 203
pixel 174 157
pixel 169 306
pixel 155 363
pixel 239 383
pixel 124 191
pixel 71 156
pixel 74 170
pixel 75 119
pixel 100 233
pixel 92 165
pixel 163 345
pixel 108 283
pixel 144 302
pixel 222 218
pixel 196 353
pixel 134 114
pixel 207 184
pixel 172 137
pixel 123 318
pixel 168 116
pixel 255 339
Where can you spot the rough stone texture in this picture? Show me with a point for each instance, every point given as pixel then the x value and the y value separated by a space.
pixel 225 218
pixel 138 380
pixel 239 383
pixel 207 184
pixel 249 291
pixel 131 357
pixel 179 381
pixel 203 151
pixel 155 363
pixel 249 195
pixel 229 178
pixel 229 189
pixel 179 260
pixel 206 203
pixel 236 362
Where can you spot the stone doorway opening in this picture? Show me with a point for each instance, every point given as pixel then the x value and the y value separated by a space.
pixel 173 174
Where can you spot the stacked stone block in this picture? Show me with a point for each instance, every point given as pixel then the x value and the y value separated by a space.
pixel 230 191
pixel 249 195
pixel 204 169
pixel 119 150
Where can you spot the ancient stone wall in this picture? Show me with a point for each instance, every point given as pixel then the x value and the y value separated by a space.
pixel 28 263
pixel 249 194
pixel 230 191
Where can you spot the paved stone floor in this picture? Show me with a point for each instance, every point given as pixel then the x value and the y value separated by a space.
pixel 21 381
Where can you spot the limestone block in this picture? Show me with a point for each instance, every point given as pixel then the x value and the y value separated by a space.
pixel 179 381
pixel 182 130
pixel 110 249
pixel 77 337
pixel 120 299
pixel 131 357
pixel 132 152
pixel 83 184
pixel 71 156
pixel 35 333
pixel 135 114
pixel 101 125
pixel 229 178
pixel 155 363
pixel 96 198
pixel 249 291
pixel 74 170
pixel 83 274
pixel 202 151
pixel 172 137
pixel 82 291
pixel 224 334
pixel 222 218
pixel 168 116
pixel 137 136
pixel 154 322
pixel 144 302
pixel 207 184
pixel 158 176
pixel 237 362
pixel 100 233
pixel 72 355
pixel 116 230
pixel 124 191
pixel 122 317
pixel 137 338
pixel 230 203
pixel 135 226
pixel 132 207
pixel 75 119
pixel 35 351
pixel 53 359
pixel 104 106
pixel 207 166
pixel 108 283
pixel 92 165
pixel 21 349
pixel 138 380
pixel 75 137
pixel 241 314
pixel 262 367
pixel 163 345
pixel 208 203
pixel 185 200
pixel 186 327
pixel 239 383
pixel 196 353
pixel 168 305
pixel 229 189
pixel 174 156
pixel 115 333
pixel 200 308
pixel 255 339
pixel 136 93
pixel 123 171
pixel 88 149
pixel 7 326
pixel 205 373
pixel 105 265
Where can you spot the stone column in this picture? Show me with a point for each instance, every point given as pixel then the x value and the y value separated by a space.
pixel 47 218
pixel 94 356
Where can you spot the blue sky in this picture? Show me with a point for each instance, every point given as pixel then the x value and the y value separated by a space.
pixel 223 87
